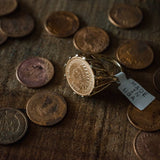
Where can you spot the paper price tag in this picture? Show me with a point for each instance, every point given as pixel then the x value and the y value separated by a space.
pixel 135 93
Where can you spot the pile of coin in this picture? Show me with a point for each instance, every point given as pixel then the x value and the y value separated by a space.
pixel 43 108
pixel 135 54
pixel 13 22
pixel 86 75
pixel 89 40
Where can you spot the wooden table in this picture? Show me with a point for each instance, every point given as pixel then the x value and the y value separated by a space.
pixel 95 128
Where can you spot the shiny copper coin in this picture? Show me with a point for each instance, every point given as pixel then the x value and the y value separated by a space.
pixel 91 40
pixel 135 54
pixel 146 120
pixel 156 80
pixel 46 108
pixel 62 24
pixel 3 37
pixel 125 16
pixel 35 72
pixel 147 145
pixel 13 125
pixel 80 76
pixel 18 24
pixel 7 6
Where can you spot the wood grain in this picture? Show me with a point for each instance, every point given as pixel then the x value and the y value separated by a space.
pixel 95 128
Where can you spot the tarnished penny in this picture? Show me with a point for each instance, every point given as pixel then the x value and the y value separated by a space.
pixel 125 16
pixel 80 76
pixel 147 145
pixel 7 6
pixel 62 23
pixel 13 125
pixel 146 120
pixel 35 72
pixel 18 24
pixel 46 108
pixel 156 79
pixel 91 40
pixel 135 54
pixel 3 37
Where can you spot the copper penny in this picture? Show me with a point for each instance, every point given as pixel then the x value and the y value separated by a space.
pixel 146 120
pixel 35 72
pixel 13 125
pixel 46 108
pixel 3 37
pixel 91 40
pixel 7 6
pixel 125 16
pixel 80 76
pixel 156 80
pixel 18 24
pixel 147 145
pixel 135 54
pixel 62 24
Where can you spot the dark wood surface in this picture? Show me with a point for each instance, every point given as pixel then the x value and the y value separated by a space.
pixel 95 128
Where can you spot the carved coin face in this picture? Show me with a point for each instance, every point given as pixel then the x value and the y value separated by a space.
pixel 18 24
pixel 146 120
pixel 80 76
pixel 91 40
pixel 3 37
pixel 147 145
pixel 135 54
pixel 62 24
pixel 156 80
pixel 13 125
pixel 35 72
pixel 125 16
pixel 46 108
pixel 7 6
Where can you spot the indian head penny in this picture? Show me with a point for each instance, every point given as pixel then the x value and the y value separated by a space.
pixel 7 6
pixel 147 145
pixel 62 24
pixel 125 16
pixel 80 76
pixel 135 54
pixel 18 24
pixel 46 108
pixel 91 40
pixel 13 125
pixel 35 72
pixel 147 119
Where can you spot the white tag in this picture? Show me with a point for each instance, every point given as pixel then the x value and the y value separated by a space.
pixel 135 93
